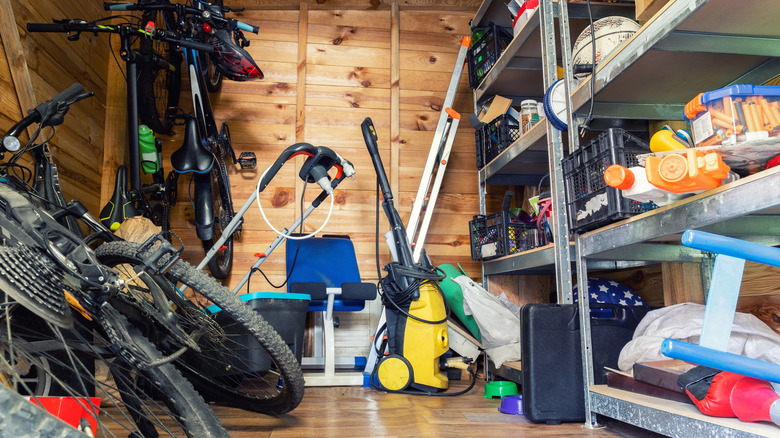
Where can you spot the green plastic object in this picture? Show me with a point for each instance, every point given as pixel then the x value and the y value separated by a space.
pixel 500 388
pixel 150 159
pixel 454 295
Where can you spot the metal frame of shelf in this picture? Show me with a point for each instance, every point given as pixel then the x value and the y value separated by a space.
pixel 688 47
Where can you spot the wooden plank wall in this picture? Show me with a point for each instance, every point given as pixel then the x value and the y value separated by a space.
pixel 318 88
pixel 328 64
pixel 41 66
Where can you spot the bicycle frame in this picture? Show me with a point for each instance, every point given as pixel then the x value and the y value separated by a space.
pixel 203 202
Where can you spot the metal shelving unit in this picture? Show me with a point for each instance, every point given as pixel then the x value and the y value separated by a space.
pixel 525 69
pixel 699 45
pixel 688 47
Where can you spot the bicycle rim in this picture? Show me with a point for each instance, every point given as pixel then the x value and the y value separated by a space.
pixel 222 262
pixel 212 75
pixel 116 397
pixel 160 75
pixel 243 361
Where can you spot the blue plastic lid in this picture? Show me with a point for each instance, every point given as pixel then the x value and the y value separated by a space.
pixel 264 295
pixel 275 295
pixel 740 90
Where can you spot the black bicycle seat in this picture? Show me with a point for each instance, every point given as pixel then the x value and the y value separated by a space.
pixel 191 156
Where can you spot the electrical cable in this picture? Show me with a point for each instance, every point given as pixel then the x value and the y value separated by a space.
pixel 592 66
pixel 428 393
pixel 295 257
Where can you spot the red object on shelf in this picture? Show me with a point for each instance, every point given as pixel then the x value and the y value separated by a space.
pixel 70 409
pixel 752 399
pixel 773 162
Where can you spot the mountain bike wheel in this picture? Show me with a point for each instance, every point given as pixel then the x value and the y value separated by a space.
pixel 222 262
pixel 159 70
pixel 157 401
pixel 19 417
pixel 243 361
pixel 212 75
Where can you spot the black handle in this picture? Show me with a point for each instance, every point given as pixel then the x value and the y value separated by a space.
pixel 47 27
pixel 70 93
pixel 201 47
pixel 370 137
pixel 291 151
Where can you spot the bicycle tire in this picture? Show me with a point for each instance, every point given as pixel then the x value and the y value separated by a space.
pixel 211 74
pixel 129 405
pixel 262 376
pixel 222 263
pixel 20 418
pixel 159 68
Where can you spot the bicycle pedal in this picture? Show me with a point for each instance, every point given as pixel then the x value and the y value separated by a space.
pixel 247 160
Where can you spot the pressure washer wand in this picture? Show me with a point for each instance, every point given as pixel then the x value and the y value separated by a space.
pixel 403 248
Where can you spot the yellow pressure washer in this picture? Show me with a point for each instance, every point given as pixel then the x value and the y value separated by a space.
pixel 415 309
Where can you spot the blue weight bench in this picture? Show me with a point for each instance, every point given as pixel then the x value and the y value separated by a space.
pixel 326 268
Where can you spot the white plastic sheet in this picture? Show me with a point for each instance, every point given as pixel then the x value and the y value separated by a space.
pixel 498 325
pixel 750 337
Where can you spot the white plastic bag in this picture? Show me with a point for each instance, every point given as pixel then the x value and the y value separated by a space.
pixel 750 337
pixel 499 327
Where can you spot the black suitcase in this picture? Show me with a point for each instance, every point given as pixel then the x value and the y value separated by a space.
pixel 553 389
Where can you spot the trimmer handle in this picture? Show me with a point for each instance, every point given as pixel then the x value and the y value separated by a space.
pixel 290 152
pixel 315 169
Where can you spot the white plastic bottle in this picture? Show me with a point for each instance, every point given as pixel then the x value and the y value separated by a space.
pixel 633 182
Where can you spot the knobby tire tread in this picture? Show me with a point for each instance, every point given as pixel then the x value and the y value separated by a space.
pixel 221 269
pixel 244 315
pixel 148 110
pixel 21 419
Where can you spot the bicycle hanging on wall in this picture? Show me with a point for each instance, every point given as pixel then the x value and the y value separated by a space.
pixel 206 149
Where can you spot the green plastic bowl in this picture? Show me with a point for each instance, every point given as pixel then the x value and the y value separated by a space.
pixel 500 388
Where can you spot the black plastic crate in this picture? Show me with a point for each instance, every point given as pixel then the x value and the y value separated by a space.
pixel 492 138
pixel 591 202
pixel 485 51
pixel 502 234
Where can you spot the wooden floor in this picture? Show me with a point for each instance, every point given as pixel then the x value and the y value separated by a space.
pixel 364 412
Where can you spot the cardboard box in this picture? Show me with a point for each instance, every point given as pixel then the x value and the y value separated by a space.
pixel 645 9
pixel 497 106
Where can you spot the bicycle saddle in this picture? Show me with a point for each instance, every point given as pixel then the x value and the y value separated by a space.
pixel 192 156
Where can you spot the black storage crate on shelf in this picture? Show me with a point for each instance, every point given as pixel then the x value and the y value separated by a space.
pixel 485 51
pixel 492 138
pixel 502 234
pixel 591 202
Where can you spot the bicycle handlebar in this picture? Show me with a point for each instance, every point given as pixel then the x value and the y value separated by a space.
pixel 46 27
pixel 136 7
pixel 10 141
pixel 159 34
